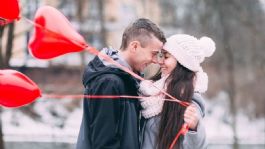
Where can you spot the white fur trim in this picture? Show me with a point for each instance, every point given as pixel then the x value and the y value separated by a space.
pixel 201 83
pixel 148 88
pixel 152 105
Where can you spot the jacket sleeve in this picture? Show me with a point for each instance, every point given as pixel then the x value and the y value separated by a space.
pixel 105 114
pixel 197 139
pixel 150 132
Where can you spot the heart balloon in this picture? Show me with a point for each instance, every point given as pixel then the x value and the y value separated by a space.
pixel 16 89
pixel 54 35
pixel 9 9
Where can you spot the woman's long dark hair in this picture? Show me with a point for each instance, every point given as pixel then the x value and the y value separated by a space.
pixel 180 85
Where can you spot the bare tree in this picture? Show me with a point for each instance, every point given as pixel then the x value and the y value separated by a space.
pixel 5 54
pixel 1 48
pixel 1 66
pixel 238 28
pixel 81 18
pixel 2 146
pixel 102 22
pixel 231 88
pixel 224 36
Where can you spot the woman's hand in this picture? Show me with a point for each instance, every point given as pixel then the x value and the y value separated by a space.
pixel 191 117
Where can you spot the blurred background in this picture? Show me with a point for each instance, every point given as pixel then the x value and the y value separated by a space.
pixel 235 100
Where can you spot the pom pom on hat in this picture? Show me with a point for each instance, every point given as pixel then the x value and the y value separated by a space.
pixel 207 45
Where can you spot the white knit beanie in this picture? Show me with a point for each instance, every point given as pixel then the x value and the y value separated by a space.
pixel 191 52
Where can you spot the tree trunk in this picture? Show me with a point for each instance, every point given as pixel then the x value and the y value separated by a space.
pixel 1 48
pixel 1 66
pixel 230 67
pixel 4 63
pixel 2 146
pixel 102 22
pixel 81 18
pixel 9 45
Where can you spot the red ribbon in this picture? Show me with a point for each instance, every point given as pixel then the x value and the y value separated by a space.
pixel 92 50
pixel 110 60
pixel 184 129
pixel 97 97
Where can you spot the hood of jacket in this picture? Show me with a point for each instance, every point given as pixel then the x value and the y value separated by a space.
pixel 99 66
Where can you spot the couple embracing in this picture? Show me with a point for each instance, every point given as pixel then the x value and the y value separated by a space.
pixel 151 122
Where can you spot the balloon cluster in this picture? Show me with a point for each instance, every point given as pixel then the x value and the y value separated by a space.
pixel 49 40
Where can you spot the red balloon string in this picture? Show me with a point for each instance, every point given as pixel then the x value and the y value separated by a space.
pixel 57 96
pixel 107 58
pixel 184 129
pixel 94 51
pixel 90 96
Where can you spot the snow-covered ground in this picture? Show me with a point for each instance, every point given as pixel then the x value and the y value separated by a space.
pixel 58 125
pixel 218 124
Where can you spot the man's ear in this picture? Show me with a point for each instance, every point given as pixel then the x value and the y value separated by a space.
pixel 133 45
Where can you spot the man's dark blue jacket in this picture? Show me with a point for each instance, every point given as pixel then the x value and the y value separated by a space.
pixel 109 123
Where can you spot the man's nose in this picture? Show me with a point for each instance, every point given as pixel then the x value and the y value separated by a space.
pixel 154 60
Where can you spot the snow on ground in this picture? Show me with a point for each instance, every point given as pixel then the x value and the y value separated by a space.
pixel 219 130
pixel 56 123
pixel 60 125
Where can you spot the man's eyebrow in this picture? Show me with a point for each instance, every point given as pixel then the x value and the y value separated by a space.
pixel 155 51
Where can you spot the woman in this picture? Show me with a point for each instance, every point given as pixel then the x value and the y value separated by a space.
pixel 182 77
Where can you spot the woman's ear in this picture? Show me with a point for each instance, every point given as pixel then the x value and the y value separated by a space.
pixel 194 80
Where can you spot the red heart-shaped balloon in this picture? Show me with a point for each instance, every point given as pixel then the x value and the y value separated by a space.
pixel 9 9
pixel 54 35
pixel 16 89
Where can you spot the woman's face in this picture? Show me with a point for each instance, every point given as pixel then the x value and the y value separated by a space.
pixel 168 64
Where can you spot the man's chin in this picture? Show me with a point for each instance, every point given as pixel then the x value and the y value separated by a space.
pixel 142 69
pixel 137 71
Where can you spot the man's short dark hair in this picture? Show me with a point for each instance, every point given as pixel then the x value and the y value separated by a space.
pixel 141 30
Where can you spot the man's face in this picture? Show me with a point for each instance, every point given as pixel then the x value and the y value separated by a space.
pixel 146 55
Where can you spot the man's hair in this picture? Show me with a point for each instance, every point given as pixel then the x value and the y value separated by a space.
pixel 141 30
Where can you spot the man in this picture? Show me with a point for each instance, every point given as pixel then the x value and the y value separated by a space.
pixel 114 123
